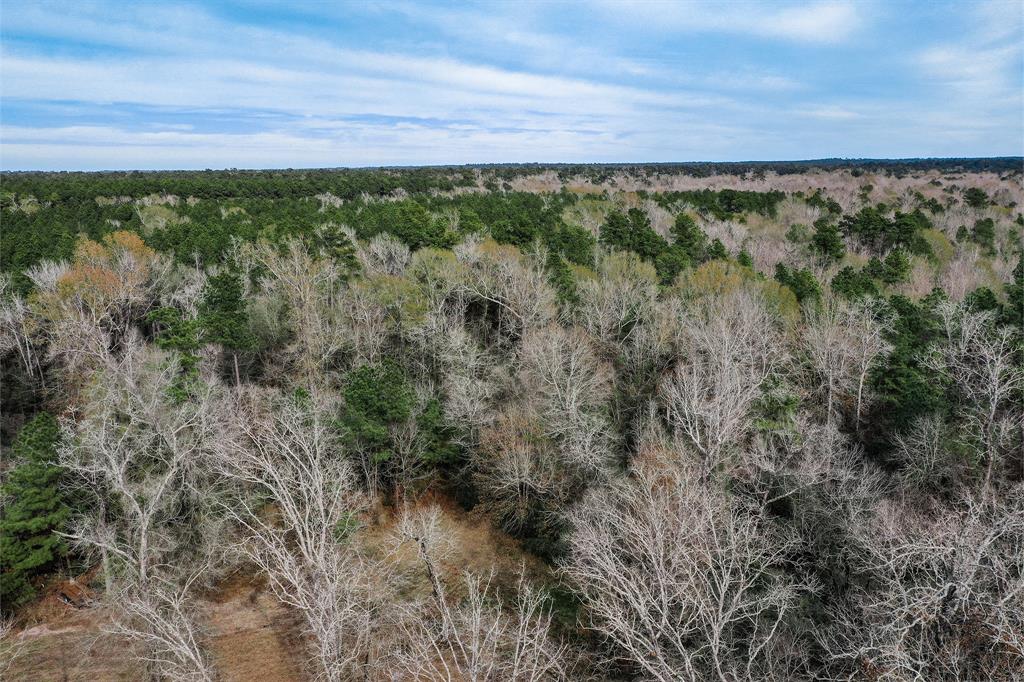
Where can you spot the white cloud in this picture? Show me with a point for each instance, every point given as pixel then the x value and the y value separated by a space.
pixel 831 21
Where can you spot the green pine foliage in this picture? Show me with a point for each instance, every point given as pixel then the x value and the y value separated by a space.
pixel 376 397
pixel 852 284
pixel 562 279
pixel 632 232
pixel 801 281
pixel 975 197
pixel 827 241
pixel 717 251
pixel 690 238
pixel 33 511
pixel 907 389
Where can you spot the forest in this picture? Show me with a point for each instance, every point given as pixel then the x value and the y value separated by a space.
pixel 576 422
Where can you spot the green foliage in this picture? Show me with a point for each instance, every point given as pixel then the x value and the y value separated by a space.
pixel 575 244
pixel 670 263
pixel 984 235
pixel 690 238
pixel 717 251
pixel 868 225
pixel 827 241
pixel 798 233
pixel 906 231
pixel 829 204
pixel 802 282
pixel 893 270
pixel 435 436
pixel 976 197
pixel 727 203
pixel 632 232
pixel 1013 309
pixel 222 315
pixel 852 284
pixel 562 279
pixel 409 222
pixel 333 243
pixel 470 222
pixel 897 267
pixel 982 300
pixel 33 510
pixel 376 397
pixel 744 259
pixel 173 331
pixel 906 388
pixel 508 232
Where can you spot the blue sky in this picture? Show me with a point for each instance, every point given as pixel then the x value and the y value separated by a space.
pixel 100 85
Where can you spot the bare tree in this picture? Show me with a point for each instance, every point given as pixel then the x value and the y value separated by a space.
pixel 684 582
pixel 136 455
pixel 16 329
pixel 384 255
pixel 979 359
pixel 12 647
pixel 286 450
pixel 731 347
pixel 478 638
pixel 310 287
pixel 843 341
pixel 926 454
pixel 518 472
pixel 942 596
pixel 160 620
pixel 615 305
pixel 572 388
pixel 138 459
pixel 516 284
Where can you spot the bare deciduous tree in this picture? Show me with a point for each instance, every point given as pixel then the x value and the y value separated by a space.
pixel 384 255
pixel 617 303
pixel 517 471
pixel 286 450
pixel 311 288
pixel 978 357
pixel 843 341
pixel 572 387
pixel 686 583
pixel 731 347
pixel 160 620
pixel 137 455
pixel 942 596
pixel 478 638
pixel 516 284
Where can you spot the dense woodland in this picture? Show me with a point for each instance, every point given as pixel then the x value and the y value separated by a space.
pixel 738 421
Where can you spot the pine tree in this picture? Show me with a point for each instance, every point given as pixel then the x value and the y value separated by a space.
pixel 690 238
pixel 828 241
pixel 222 315
pixel 33 510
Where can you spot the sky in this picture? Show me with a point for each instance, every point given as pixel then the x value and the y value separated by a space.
pixel 90 85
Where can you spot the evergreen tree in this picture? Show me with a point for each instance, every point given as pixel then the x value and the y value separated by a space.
pixel 670 263
pixel 717 251
pixel 33 509
pixel 803 282
pixel 828 241
pixel 335 244
pixel 561 278
pixel 376 398
pixel 690 238
pixel 222 315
